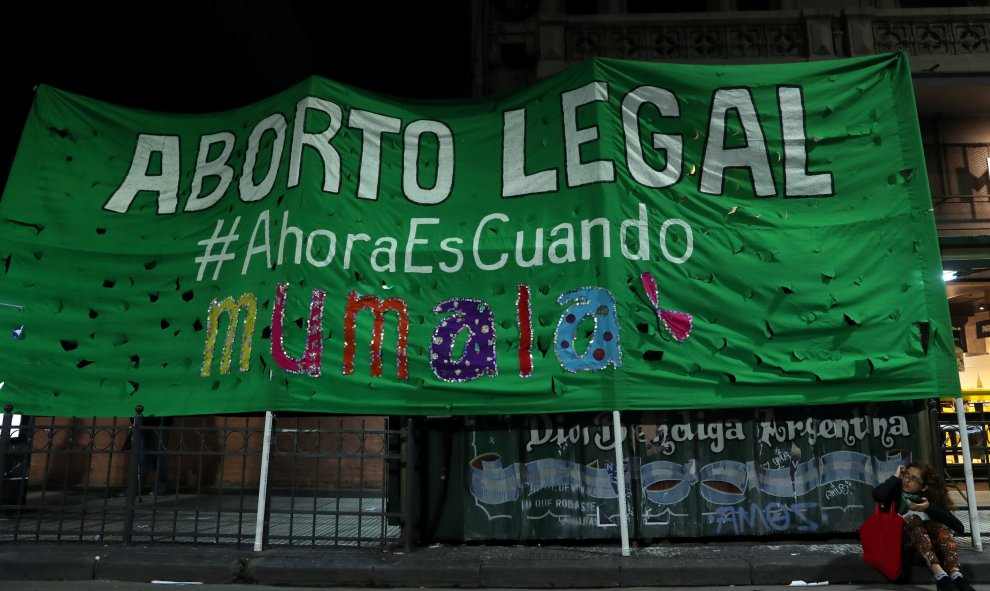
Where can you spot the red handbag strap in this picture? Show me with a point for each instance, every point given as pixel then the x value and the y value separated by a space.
pixel 891 509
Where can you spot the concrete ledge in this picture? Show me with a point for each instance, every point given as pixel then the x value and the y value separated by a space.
pixel 174 564
pixel 543 574
pixel 683 572
pixel 31 563
pixel 309 571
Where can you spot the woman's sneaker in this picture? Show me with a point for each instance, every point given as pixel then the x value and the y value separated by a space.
pixel 961 584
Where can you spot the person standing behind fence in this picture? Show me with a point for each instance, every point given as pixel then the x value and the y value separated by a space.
pixel 921 497
pixel 151 457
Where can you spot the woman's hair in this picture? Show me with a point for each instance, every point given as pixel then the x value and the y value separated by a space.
pixel 936 491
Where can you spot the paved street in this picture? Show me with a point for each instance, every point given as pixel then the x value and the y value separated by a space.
pixel 117 586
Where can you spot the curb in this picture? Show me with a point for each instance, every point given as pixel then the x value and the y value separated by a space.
pixel 520 567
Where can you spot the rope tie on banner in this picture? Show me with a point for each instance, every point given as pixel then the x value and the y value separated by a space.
pixel 19 331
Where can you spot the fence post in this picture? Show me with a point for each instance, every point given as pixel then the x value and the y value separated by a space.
pixel 934 408
pixel 261 521
pixel 133 489
pixel 620 479
pixel 407 487
pixel 5 432
pixel 974 522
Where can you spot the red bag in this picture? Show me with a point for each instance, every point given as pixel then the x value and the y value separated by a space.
pixel 881 537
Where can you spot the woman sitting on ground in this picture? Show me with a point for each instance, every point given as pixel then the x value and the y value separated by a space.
pixel 923 500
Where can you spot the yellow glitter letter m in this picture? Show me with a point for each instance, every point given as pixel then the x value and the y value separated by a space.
pixel 249 303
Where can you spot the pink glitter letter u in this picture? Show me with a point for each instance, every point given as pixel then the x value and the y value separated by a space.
pixel 312 357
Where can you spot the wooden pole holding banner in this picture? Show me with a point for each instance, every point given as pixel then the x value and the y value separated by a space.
pixel 620 478
pixel 266 451
pixel 974 522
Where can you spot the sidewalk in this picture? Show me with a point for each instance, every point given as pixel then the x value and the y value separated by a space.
pixel 663 564
pixel 660 565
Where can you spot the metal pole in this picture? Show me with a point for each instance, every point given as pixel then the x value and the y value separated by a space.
pixel 974 522
pixel 6 428
pixel 133 474
pixel 407 460
pixel 266 451
pixel 620 477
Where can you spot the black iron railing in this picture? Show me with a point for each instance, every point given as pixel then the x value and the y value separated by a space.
pixel 197 480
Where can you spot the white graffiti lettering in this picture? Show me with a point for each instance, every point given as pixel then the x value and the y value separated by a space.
pixel 773 516
pixel 544 429
pixel 838 489
pixel 771 431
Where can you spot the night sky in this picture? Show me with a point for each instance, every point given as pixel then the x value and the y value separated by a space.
pixel 215 55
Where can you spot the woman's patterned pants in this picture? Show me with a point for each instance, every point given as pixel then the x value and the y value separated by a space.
pixel 926 536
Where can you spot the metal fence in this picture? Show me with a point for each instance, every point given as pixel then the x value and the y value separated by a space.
pixel 325 480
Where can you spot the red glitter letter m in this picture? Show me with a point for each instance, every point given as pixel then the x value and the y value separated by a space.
pixel 357 303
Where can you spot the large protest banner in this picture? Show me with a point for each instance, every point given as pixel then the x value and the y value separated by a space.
pixel 622 235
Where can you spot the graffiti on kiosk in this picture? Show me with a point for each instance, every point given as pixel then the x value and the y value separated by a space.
pixel 772 516
pixel 849 431
pixel 836 490
pixel 788 466
pixel 551 429
pixel 782 457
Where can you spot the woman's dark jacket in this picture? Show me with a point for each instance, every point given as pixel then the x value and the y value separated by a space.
pixel 889 491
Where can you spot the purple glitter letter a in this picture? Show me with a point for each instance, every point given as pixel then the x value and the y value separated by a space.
pixel 478 358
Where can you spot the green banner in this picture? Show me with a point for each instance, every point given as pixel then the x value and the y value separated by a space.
pixel 622 235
